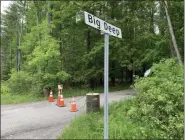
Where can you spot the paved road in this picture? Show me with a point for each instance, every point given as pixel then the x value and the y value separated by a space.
pixel 44 120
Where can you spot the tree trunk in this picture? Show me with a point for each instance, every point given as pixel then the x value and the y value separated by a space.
pixel 133 73
pixel 10 57
pixel 126 76
pixel 88 41
pixel 38 22
pixel 172 50
pixel 113 77
pixel 91 80
pixel 172 33
pixel 161 27
pixel 152 20
pixel 101 81
pixel 38 17
pixel 2 64
pixel 49 16
pixel 17 44
pixel 26 19
pixel 113 61
pixel 122 75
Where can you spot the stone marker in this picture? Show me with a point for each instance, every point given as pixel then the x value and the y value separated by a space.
pixel 92 102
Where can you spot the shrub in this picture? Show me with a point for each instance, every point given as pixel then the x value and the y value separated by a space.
pixel 4 88
pixel 91 125
pixel 159 99
pixel 20 82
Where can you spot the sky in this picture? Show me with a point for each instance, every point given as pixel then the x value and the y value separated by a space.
pixel 4 5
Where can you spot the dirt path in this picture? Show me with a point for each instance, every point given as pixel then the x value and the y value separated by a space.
pixel 44 120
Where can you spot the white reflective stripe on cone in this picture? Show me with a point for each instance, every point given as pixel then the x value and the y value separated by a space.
pixel 61 96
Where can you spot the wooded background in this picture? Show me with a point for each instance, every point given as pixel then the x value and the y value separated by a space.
pixel 44 43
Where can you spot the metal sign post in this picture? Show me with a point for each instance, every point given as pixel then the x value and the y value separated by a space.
pixel 106 83
pixel 107 29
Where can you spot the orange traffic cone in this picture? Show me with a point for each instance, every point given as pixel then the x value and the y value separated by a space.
pixel 58 100
pixel 61 102
pixel 51 99
pixel 73 106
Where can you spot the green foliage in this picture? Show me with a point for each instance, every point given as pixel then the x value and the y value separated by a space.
pixel 156 112
pixel 4 88
pixel 17 99
pixel 91 125
pixel 20 82
pixel 44 52
pixel 56 46
pixel 63 76
pixel 159 99
pixel 9 97
pixel 43 59
pixel 84 127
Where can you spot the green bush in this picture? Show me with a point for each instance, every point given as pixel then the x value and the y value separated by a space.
pixel 91 125
pixel 20 82
pixel 4 88
pixel 155 113
pixel 24 83
pixel 160 101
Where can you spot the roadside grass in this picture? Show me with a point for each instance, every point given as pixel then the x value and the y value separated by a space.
pixel 82 92
pixel 91 125
pixel 16 99
pixel 9 98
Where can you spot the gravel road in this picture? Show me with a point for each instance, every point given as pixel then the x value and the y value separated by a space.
pixel 45 120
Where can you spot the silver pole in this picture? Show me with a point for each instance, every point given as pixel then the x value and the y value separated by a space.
pixel 106 83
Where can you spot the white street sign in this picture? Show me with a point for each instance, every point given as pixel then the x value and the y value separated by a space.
pixel 102 25
pixel 108 29
pixel 60 86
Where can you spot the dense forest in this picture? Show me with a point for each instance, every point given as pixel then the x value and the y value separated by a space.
pixel 44 43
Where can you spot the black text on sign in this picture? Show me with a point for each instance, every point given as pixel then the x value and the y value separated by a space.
pixel 102 25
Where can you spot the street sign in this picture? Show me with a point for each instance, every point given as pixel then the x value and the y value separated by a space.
pixel 107 29
pixel 60 86
pixel 102 25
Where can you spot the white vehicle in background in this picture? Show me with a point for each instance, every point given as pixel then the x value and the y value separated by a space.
pixel 147 73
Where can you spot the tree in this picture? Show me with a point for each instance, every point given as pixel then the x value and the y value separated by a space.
pixel 77 49
pixel 172 33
